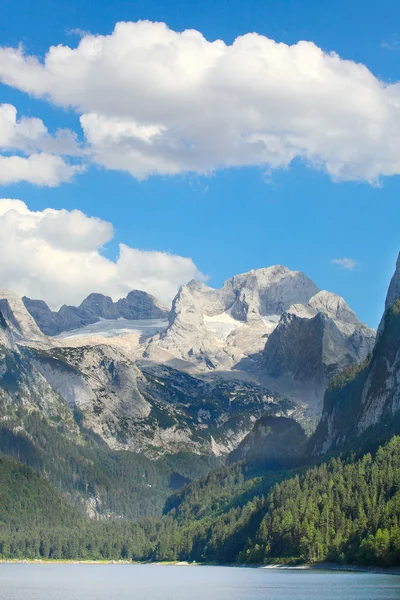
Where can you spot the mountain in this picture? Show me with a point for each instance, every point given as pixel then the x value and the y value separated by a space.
pixel 137 406
pixel 115 435
pixel 311 344
pixel 367 395
pixel 272 324
pixel 20 323
pixel 267 329
pixel 219 329
pixel 136 306
pixel 183 399
pixel 74 414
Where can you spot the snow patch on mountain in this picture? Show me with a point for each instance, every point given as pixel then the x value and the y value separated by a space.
pixel 114 327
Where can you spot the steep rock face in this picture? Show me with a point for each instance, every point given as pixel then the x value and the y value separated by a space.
pixel 146 408
pixel 136 305
pixel 218 328
pixel 20 323
pixel 22 386
pixel 394 286
pixel 369 394
pixel 311 344
pixel 47 321
pixel 102 384
pixel 214 412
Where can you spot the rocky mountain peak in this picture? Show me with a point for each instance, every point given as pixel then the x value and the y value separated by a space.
pixel 137 305
pixel 394 287
pixel 311 344
pixel 366 395
pixel 226 327
pixel 20 322
pixel 268 291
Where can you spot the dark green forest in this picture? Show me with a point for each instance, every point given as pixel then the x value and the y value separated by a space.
pixel 120 483
pixel 341 510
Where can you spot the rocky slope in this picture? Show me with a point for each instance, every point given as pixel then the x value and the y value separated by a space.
pixel 136 305
pixel 217 329
pixel 200 385
pixel 311 344
pixel 22 385
pixel 367 395
pixel 144 407
pixel 272 323
pixel 20 324
pixel 151 408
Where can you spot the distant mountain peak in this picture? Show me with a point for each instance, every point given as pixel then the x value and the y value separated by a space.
pixel 19 320
pixel 137 305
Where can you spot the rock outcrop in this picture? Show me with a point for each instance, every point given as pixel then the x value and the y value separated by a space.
pixel 22 386
pixel 366 395
pixel 19 322
pixel 217 329
pixel 312 343
pixel 136 306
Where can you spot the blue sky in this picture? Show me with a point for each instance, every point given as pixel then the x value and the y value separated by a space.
pixel 238 217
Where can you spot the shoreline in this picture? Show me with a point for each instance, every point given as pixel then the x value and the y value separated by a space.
pixel 283 567
pixel 335 567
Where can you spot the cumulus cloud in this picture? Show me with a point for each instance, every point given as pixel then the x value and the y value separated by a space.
pixel 55 255
pixel 349 264
pixel 155 101
pixel 40 155
pixel 40 169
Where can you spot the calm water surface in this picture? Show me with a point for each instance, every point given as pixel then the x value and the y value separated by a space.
pixel 150 582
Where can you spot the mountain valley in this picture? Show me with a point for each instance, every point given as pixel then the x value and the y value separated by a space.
pixel 216 437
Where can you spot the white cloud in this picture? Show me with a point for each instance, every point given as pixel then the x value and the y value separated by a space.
pixel 155 101
pixel 345 263
pixel 40 169
pixel 40 163
pixel 56 255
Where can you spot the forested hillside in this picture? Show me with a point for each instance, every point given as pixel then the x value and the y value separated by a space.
pixel 101 482
pixel 342 510
pixel 364 396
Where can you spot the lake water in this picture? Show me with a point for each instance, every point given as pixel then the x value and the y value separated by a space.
pixel 151 582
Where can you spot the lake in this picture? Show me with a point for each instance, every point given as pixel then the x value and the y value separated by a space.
pixel 157 582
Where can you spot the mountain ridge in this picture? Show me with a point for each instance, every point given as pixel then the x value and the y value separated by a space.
pixel 136 305
pixel 363 396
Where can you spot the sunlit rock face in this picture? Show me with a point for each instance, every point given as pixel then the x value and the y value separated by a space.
pixel 217 329
pixel 195 379
pixel 137 406
pixel 271 323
